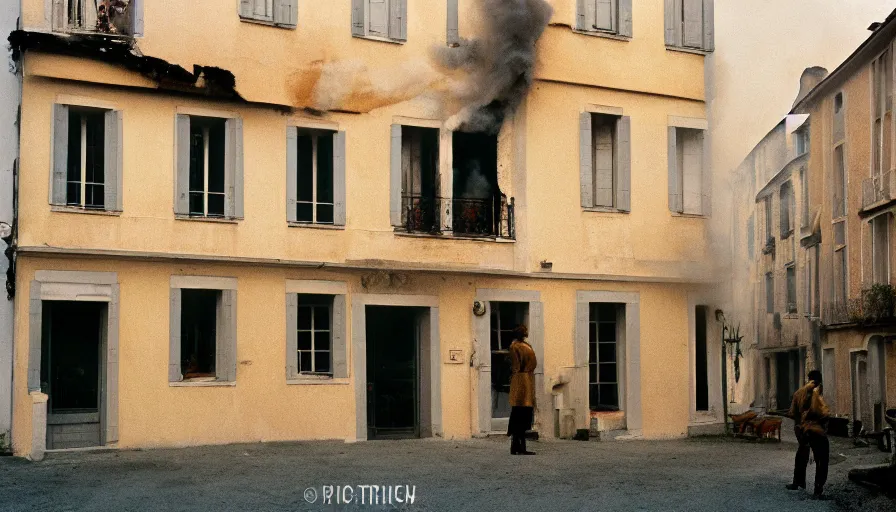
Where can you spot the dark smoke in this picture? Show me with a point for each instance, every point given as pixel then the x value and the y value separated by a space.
pixel 500 64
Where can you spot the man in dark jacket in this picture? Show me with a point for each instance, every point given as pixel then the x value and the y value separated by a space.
pixel 810 415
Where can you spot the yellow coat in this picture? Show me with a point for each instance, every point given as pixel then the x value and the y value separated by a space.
pixel 522 380
pixel 808 410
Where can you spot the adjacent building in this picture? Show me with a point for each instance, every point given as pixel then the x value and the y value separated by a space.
pixel 206 255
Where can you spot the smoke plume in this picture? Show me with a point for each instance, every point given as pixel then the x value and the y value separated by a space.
pixel 478 83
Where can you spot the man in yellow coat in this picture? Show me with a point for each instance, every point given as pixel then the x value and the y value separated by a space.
pixel 810 415
pixel 522 390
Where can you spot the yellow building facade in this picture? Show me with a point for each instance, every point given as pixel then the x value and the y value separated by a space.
pixel 239 264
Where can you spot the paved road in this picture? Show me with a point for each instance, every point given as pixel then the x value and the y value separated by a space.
pixel 476 475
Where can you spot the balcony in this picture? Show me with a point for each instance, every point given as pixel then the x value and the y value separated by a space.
pixel 878 190
pixel 106 17
pixel 468 218
pixel 876 305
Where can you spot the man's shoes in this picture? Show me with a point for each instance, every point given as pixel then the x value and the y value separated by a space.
pixel 819 494
pixel 794 487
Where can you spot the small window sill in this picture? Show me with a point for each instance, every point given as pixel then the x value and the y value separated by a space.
pixel 267 23
pixel 693 51
pixel 604 209
pixel 690 215
pixel 85 211
pixel 203 384
pixel 213 220
pixel 602 34
pixel 314 381
pixel 380 39
pixel 310 225
pixel 447 236
pixel 83 32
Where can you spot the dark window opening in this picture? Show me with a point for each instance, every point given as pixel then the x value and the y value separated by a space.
pixel 199 332
pixel 701 360
pixel 420 205
pixel 504 318
pixel 791 289
pixel 603 356
pixel 207 168
pixel 314 339
pixel 86 158
pixel 71 345
pixel 769 293
pixel 477 199
pixel 103 16
pixel 314 183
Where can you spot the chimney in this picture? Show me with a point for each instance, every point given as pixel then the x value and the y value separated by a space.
pixel 811 77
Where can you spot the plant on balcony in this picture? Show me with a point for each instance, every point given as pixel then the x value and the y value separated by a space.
pixel 878 302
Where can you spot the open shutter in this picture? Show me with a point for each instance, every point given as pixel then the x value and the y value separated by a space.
pixel 586 169
pixel 174 373
pixel 839 126
pixel 35 321
pixel 625 18
pixel 112 161
pixel 706 182
pixel 111 384
pixel 137 8
pixel 482 362
pixel 358 17
pixel 395 177
pixel 583 317
pixel 339 179
pixel 340 348
pixel 398 19
pixel 292 347
pixel 233 150
pixel 286 13
pixel 226 356
pixel 605 15
pixel 246 9
pixel 673 22
pixel 675 194
pixel 60 155
pixel 581 23
pixel 453 33
pixel 709 26
pixel 602 137
pixel 292 166
pixel 693 24
pixel 182 179
pixel 624 164
pixel 58 15
pixel 378 15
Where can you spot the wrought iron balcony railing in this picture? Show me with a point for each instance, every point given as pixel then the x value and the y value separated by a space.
pixel 422 214
pixel 878 189
pixel 492 217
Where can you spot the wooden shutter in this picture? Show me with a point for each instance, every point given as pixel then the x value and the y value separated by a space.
pixel 112 161
pixel 839 126
pixel 339 178
pixel 225 364
pixel 292 319
pixel 453 33
pixel 675 199
pixel 673 22
pixel 137 8
pixel 35 324
pixel 286 13
pixel 706 191
pixel 340 344
pixel 693 24
pixel 182 178
pixel 395 177
pixel 398 19
pixel 709 26
pixel 482 362
pixel 586 152
pixel 358 18
pixel 174 373
pixel 233 156
pixel 292 166
pixel 583 317
pixel 624 164
pixel 60 155
pixel 59 18
pixel 581 16
pixel 111 385
pixel 625 18
pixel 247 9
pixel 603 134
pixel 605 15
pixel 378 18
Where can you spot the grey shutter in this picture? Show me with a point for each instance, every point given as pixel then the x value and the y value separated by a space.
pixel 286 12
pixel 292 165
pixel 453 38
pixel 246 9
pixel 602 137
pixel 581 22
pixel 111 384
pixel 709 26
pixel 583 316
pixel 182 178
pixel 60 155
pixel 292 347
pixel 358 17
pixel 138 18
pixel 339 179
pixel 59 15
pixel 624 164
pixel 673 23
pixel 113 161
pixel 483 363
pixel 174 373
pixel 227 337
pixel 395 177
pixel 398 19
pixel 839 126
pixel 35 325
pixel 605 15
pixel 706 182
pixel 233 149
pixel 693 24
pixel 675 194
pixel 340 349
pixel 586 169
pixel 625 18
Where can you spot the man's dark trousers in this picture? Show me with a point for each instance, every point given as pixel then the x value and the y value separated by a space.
pixel 821 448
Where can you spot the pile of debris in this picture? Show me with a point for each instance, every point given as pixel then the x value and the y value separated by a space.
pixel 882 476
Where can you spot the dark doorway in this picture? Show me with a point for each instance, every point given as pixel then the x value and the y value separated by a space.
pixel 393 372
pixel 72 339
pixel 505 317
pixel 788 377
pixel 477 198
pixel 701 360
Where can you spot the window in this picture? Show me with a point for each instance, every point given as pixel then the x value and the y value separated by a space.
pixel 315 330
pixel 314 334
pixel 769 292
pixel 605 16
pixel 839 193
pixel 841 268
pixel 804 197
pixel 453 34
pixel 880 248
pixel 801 141
pixel 689 173
pixel 791 289
pixel 420 204
pixel 209 179
pixel 603 360
pixel 282 13
pixel 751 235
pixel 605 161
pixel 203 330
pixel 380 19
pixel 113 17
pixel 881 108
pixel 701 360
pixel 315 176
pixel 769 235
pixel 87 156
pixel 787 206
pixel 690 25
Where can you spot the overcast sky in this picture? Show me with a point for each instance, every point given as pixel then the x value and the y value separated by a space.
pixel 762 47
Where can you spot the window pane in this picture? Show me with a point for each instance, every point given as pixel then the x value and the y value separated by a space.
pixel 321 318
pixel 609 395
pixel 606 331
pixel 305 172
pixel 325 214
pixel 216 205
pixel 216 156
pixel 607 352
pixel 197 203
pixel 197 158
pixel 73 193
pixel 325 168
pixel 607 372
pixel 74 147
pixel 495 340
pixel 305 212
pixel 593 396
pixel 606 312
pixel 304 313
pixel 95 197
pixel 592 352
pixel 321 340
pixel 592 373
pixel 304 340
pixel 95 147
pixel 322 362
pixel 592 332
pixel 305 362
pixel 198 332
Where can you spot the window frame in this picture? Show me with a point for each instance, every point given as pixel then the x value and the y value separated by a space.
pixel 619 344
pixel 786 207
pixel 675 27
pixel 621 159
pixel 791 288
pixel 61 21
pixel 397 32
pixel 313 302
pixel 880 263
pixel 881 109
pixel 284 13
pixel 338 179
pixel 769 293
pixel 620 19
pixel 336 291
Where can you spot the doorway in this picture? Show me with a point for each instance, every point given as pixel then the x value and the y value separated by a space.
pixel 72 368
pixel 505 317
pixel 788 373
pixel 394 335
pixel 861 399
